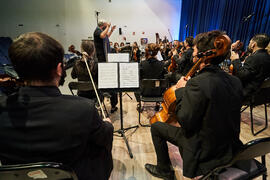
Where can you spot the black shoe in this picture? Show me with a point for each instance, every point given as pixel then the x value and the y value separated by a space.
pixel 114 109
pixel 157 172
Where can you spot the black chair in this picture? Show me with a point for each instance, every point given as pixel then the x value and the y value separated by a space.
pixel 243 166
pixel 41 170
pixel 262 96
pixel 84 86
pixel 151 91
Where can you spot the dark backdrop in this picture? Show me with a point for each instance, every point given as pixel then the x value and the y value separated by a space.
pixel 228 15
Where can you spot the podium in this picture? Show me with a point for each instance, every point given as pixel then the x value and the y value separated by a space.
pixel 119 77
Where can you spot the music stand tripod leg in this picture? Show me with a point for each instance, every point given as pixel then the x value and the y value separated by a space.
pixel 128 95
pixel 122 130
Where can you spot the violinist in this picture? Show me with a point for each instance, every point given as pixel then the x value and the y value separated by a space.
pixel 208 112
pixel 185 61
pixel 116 47
pixel 39 124
pixel 136 53
pixel 80 72
pixel 256 67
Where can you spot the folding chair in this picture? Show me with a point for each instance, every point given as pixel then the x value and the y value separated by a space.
pixel 243 166
pixel 262 96
pixel 151 91
pixel 84 86
pixel 40 170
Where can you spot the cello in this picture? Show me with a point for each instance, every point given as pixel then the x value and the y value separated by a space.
pixel 167 114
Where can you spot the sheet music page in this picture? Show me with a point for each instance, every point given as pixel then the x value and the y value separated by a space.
pixel 118 57
pixel 107 75
pixel 159 56
pixel 129 75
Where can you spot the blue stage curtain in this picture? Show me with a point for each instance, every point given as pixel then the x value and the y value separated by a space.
pixel 199 16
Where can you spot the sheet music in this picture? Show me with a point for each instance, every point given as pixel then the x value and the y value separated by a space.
pixel 107 75
pixel 159 56
pixel 129 75
pixel 118 57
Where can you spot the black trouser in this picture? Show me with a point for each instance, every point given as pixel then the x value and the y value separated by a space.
pixel 161 133
pixel 113 98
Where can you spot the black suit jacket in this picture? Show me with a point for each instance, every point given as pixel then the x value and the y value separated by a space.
pixel 254 71
pixel 152 69
pixel 208 110
pixel 40 124
pixel 185 62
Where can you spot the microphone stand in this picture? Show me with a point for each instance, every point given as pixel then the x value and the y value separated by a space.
pixel 186 30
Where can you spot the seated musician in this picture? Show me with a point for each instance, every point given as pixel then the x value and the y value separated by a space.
pixel 116 47
pixel 80 71
pixel 185 61
pixel 40 124
pixel 136 53
pixel 151 68
pixel 208 111
pixel 256 67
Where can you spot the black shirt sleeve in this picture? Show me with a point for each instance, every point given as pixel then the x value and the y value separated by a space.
pixel 97 32
pixel 244 72
pixel 102 131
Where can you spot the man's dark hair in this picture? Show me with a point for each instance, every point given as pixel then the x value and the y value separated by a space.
pixel 262 40
pixel 189 41
pixel 205 41
pixel 35 56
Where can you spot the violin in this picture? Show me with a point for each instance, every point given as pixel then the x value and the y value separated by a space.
pixel 71 48
pixel 167 114
pixel 172 67
pixel 236 47
pixel 135 54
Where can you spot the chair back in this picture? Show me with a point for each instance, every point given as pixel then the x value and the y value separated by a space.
pixel 262 96
pixel 153 87
pixel 80 86
pixel 252 149
pixel 41 170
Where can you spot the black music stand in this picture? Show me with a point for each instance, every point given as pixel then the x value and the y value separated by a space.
pixel 122 130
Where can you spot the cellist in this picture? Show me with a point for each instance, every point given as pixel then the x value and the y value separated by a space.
pixel 208 111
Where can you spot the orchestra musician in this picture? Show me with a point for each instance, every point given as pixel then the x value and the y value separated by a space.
pixel 116 47
pixel 185 61
pixel 80 72
pixel 208 111
pixel 101 40
pixel 136 53
pixel 151 68
pixel 256 67
pixel 39 124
